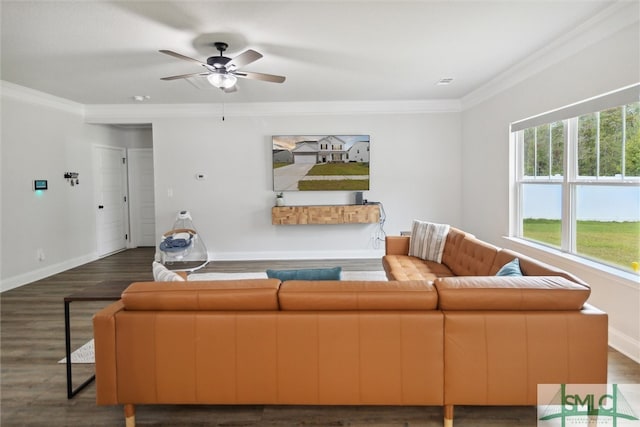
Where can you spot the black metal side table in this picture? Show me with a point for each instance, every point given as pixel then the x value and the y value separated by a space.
pixel 103 291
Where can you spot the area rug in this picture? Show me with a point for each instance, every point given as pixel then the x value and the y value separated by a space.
pixel 346 275
pixel 84 354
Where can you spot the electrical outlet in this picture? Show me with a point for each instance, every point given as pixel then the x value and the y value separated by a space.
pixel 40 254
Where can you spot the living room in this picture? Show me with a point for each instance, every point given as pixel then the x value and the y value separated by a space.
pixel 445 158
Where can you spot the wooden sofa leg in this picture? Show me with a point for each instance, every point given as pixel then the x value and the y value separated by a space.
pixel 130 415
pixel 448 415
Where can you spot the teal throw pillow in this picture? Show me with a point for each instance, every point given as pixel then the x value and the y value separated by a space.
pixel 306 274
pixel 512 268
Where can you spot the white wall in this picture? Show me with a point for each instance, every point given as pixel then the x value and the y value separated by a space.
pixel 42 138
pixel 415 173
pixel 39 142
pixel 609 64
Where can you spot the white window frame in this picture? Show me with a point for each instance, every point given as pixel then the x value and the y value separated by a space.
pixel 570 179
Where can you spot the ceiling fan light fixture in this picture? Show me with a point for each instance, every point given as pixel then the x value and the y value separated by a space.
pixel 222 81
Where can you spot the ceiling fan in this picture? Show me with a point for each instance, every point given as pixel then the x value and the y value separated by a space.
pixel 221 71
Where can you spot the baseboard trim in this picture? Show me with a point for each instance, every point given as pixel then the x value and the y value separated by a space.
pixel 625 344
pixel 42 273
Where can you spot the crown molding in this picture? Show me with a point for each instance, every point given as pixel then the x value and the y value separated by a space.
pixel 616 17
pixel 611 20
pixel 131 114
pixel 32 96
pixel 147 113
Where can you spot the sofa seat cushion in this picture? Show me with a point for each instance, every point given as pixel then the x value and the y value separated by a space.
pixel 405 267
pixel 221 295
pixel 510 293
pixel 357 295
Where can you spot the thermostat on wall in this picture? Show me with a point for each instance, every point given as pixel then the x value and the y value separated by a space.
pixel 40 184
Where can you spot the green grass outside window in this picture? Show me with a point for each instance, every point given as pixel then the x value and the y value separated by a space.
pixel 616 243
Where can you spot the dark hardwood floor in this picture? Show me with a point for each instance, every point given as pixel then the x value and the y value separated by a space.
pixel 33 388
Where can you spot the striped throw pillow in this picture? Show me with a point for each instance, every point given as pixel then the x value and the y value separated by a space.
pixel 428 240
pixel 163 274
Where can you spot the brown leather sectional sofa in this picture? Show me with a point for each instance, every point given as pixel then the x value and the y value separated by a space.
pixel 458 339
pixel 505 335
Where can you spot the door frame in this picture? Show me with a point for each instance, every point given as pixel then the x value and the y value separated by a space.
pixel 134 222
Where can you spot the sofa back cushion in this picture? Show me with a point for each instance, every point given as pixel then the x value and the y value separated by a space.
pixel 397 245
pixel 452 245
pixel 510 293
pixel 357 295
pixel 471 257
pixel 221 295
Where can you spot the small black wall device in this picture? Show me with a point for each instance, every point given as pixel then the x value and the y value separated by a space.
pixel 40 184
pixel 359 199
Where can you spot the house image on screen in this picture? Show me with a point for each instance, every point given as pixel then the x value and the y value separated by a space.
pixel 305 152
pixel 331 149
pixel 359 152
pixel 328 149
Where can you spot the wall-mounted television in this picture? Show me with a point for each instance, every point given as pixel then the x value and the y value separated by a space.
pixel 321 162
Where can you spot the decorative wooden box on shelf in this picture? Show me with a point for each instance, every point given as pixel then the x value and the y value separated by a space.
pixel 328 214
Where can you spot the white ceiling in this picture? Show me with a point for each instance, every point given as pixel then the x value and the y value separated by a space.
pixel 105 52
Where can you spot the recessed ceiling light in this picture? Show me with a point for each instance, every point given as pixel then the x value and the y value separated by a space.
pixel 141 98
pixel 444 81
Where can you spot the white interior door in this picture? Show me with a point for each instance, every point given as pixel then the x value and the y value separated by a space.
pixel 142 210
pixel 111 199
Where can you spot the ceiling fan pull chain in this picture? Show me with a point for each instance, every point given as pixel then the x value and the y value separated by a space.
pixel 223 111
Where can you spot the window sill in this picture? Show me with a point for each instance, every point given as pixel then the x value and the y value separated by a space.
pixel 529 248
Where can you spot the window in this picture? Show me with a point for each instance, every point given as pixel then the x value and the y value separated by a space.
pixel 578 181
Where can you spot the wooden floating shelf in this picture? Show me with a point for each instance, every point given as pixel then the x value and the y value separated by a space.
pixel 329 214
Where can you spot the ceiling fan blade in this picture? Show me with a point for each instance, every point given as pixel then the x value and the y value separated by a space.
pixel 184 76
pixel 180 56
pixel 259 76
pixel 186 58
pixel 243 59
